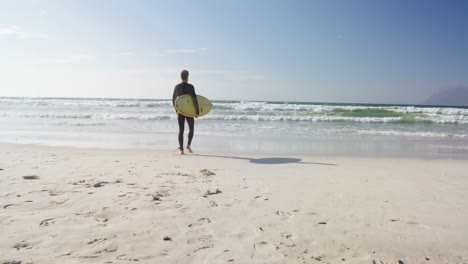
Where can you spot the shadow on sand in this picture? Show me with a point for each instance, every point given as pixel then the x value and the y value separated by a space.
pixel 270 161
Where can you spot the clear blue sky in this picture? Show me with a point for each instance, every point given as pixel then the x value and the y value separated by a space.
pixel 340 51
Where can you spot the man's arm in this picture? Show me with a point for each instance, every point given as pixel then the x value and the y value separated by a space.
pixel 174 97
pixel 195 100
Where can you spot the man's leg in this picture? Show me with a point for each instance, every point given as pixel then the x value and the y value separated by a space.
pixel 181 120
pixel 191 123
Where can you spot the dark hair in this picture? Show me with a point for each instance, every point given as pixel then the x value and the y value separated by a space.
pixel 184 75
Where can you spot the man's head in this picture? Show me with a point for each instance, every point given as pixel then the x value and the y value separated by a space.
pixel 184 75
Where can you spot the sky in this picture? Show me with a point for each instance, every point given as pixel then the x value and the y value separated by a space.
pixel 386 51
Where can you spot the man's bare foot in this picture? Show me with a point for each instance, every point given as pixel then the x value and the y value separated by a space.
pixel 181 152
pixel 189 149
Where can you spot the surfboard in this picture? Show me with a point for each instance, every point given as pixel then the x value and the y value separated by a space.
pixel 184 105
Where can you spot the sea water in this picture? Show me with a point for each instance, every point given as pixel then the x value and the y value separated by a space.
pixel 240 126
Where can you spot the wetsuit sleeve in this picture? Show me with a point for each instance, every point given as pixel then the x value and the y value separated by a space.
pixel 174 97
pixel 195 100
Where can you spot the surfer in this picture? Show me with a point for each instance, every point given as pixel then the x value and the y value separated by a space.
pixel 180 89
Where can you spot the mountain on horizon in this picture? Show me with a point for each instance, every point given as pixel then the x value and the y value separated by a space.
pixel 453 96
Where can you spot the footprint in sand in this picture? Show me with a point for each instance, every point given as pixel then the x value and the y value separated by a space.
pixel 78 182
pixel 159 195
pixel 174 174
pixel 264 252
pixel 201 243
pixel 288 240
pixel 97 240
pixel 200 222
pixel 286 235
pixel 108 249
pixel 124 257
pixel 207 173
pixel 212 192
pixel 47 222
pixel 21 245
pixel 204 239
pixel 284 215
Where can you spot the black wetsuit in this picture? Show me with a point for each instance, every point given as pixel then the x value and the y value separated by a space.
pixel 181 89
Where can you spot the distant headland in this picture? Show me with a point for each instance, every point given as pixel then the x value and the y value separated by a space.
pixel 453 96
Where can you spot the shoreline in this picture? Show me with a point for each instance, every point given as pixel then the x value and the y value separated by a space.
pixel 75 205
pixel 318 147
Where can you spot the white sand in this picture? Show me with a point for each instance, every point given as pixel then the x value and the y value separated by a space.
pixel 358 210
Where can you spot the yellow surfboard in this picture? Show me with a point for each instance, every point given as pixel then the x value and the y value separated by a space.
pixel 184 105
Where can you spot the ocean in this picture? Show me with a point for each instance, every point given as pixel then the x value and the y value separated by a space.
pixel 241 126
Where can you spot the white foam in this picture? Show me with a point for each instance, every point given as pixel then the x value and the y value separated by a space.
pixel 410 134
pixel 246 118
pixel 78 124
pixel 85 102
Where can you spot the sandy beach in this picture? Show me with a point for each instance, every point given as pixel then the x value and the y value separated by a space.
pixel 71 205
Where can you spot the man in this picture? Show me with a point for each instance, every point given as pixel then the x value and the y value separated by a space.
pixel 180 89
